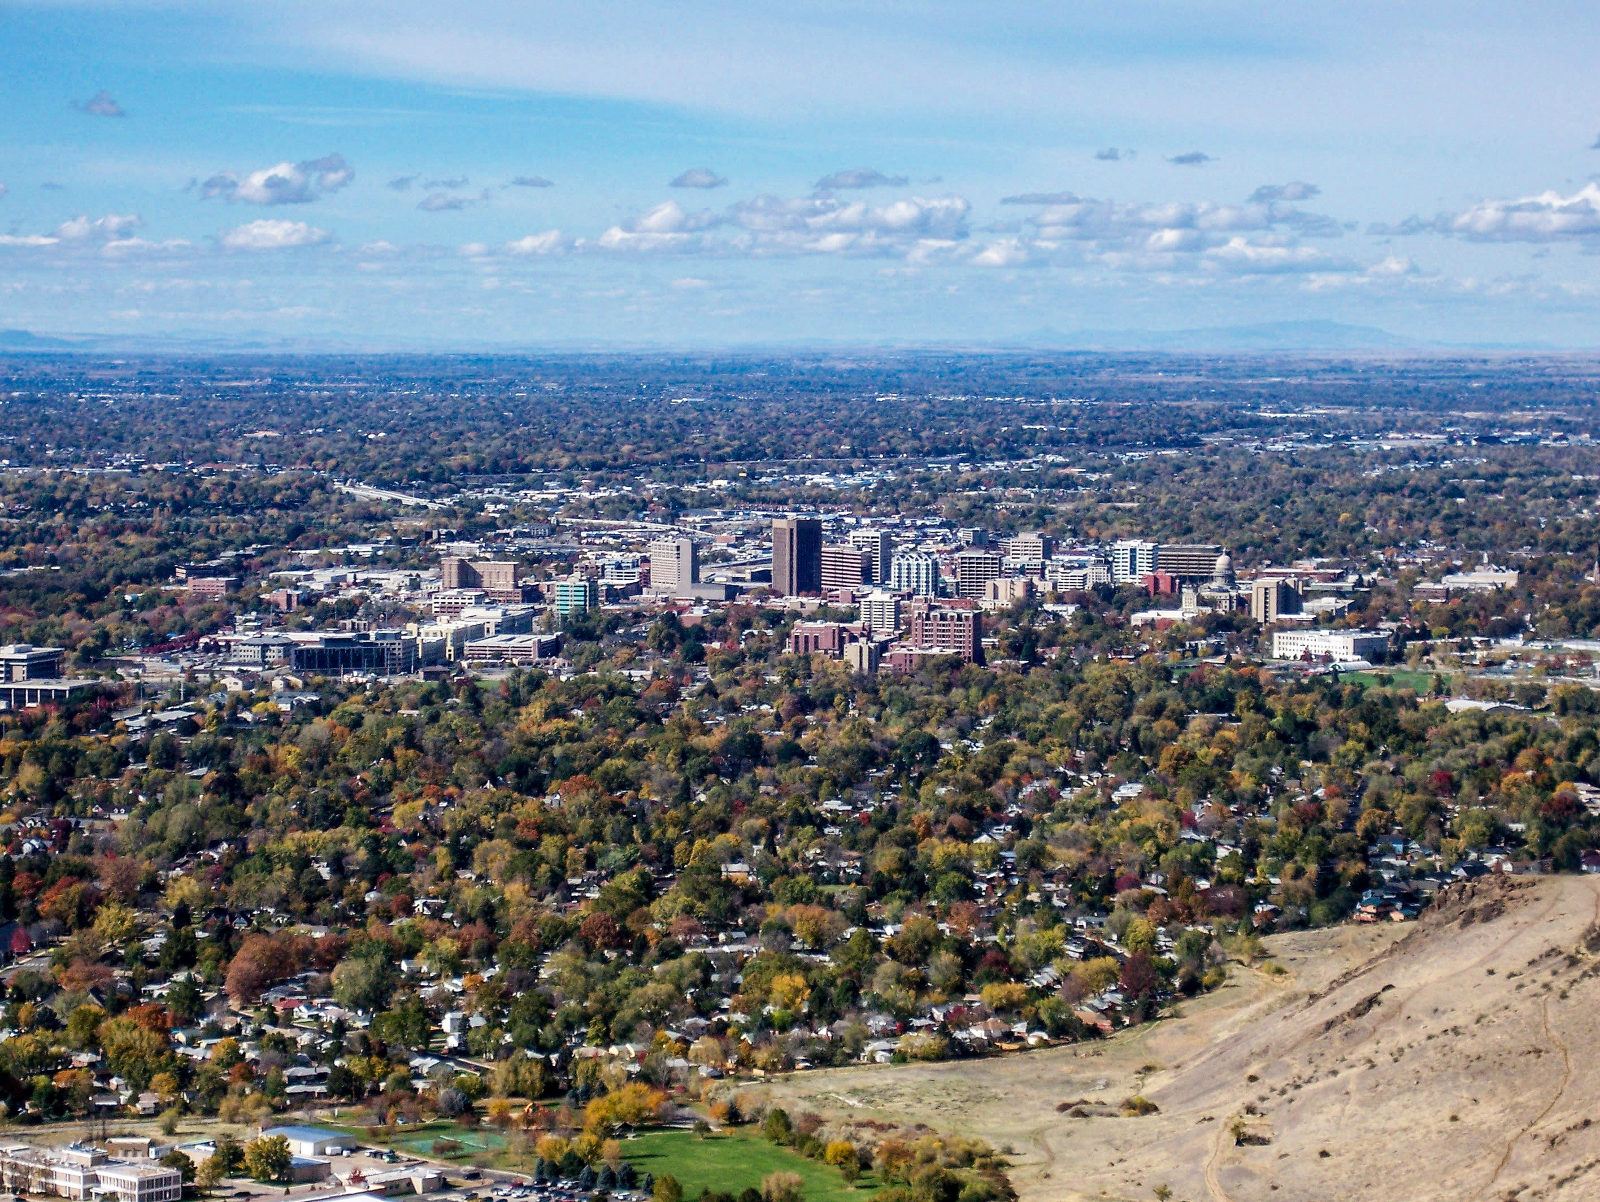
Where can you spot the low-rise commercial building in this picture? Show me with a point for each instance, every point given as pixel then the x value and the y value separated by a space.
pixel 81 1172
pixel 1338 646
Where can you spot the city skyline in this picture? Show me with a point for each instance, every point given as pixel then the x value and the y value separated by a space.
pixel 524 176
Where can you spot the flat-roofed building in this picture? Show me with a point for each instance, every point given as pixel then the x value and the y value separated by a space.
pixel 1188 561
pixel 826 638
pixel 357 653
pixel 974 569
pixel 24 661
pixel 946 629
pixel 1273 597
pixel 81 1172
pixel 500 579
pixel 311 1140
pixel 1338 646
pixel 1132 560
pixel 880 546
pixel 1027 552
pixel 797 556
pixel 511 648
pixel 845 567
pixel 674 566
pixel 575 595
pixel 880 612
pixel 1006 591
pixel 1077 574
pixel 211 588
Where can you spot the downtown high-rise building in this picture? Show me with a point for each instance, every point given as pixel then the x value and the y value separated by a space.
pixel 674 566
pixel 796 556
pixel 974 569
pixel 1027 552
pixel 845 566
pixel 880 546
pixel 1271 598
pixel 914 572
pixel 1132 560
pixel 880 612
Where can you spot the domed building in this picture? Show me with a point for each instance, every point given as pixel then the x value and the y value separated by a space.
pixel 1222 574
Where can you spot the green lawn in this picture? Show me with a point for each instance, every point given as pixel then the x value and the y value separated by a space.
pixel 478 1145
pixel 1396 678
pixel 728 1163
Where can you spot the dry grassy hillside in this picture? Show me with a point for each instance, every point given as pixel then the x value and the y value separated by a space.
pixel 1444 1060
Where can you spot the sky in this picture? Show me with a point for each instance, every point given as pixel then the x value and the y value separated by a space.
pixel 520 174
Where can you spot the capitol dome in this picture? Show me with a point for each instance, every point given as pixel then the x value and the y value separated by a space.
pixel 1223 573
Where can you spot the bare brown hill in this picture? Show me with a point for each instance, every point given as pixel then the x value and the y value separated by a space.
pixel 1443 1060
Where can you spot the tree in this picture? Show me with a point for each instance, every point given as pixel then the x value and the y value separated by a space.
pixel 364 982
pixel 176 1159
pixel 210 1173
pixel 776 1127
pixel 228 1155
pixel 267 1158
pixel 666 1189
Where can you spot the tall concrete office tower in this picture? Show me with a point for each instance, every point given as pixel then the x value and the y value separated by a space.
pixel 797 556
pixel 674 566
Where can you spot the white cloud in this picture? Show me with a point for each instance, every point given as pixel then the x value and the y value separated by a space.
pixel 1547 217
pixel 121 247
pixel 698 177
pixel 28 240
pixel 1241 256
pixel 1169 227
pixel 111 226
pixel 547 243
pixel 773 226
pixel 1392 267
pixel 1007 252
pixel 284 183
pixel 272 234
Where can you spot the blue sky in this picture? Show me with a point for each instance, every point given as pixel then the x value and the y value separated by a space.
pixel 524 173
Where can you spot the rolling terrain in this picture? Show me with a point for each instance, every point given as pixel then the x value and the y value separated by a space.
pixel 1443 1060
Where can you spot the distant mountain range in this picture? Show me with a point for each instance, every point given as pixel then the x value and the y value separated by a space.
pixel 26 340
pixel 1275 337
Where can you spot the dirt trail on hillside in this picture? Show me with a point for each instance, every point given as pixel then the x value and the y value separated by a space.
pixel 1438 1061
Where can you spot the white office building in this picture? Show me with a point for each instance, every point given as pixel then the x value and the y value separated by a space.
pixel 880 613
pixel 914 572
pixel 877 544
pixel 674 566
pixel 1337 646
pixel 1076 574
pixel 1131 560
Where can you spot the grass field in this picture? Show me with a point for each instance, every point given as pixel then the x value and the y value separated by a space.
pixel 478 1145
pixel 1396 678
pixel 732 1161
